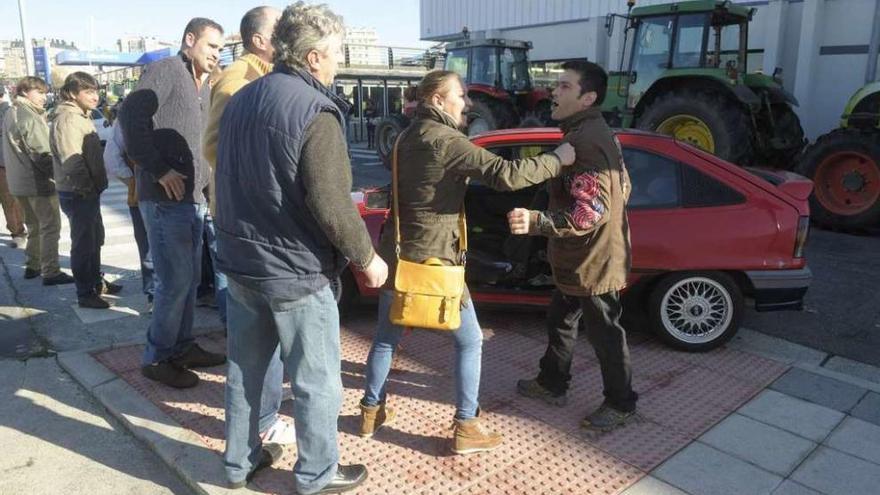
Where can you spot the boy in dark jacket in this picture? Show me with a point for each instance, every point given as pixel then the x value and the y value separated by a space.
pixel 588 250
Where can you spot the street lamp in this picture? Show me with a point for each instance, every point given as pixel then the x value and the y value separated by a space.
pixel 26 41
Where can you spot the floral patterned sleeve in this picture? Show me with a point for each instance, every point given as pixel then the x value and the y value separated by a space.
pixel 589 191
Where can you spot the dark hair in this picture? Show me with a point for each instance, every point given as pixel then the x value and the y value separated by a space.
pixel 197 26
pixel 435 82
pixel 253 22
pixel 592 77
pixel 76 82
pixel 28 83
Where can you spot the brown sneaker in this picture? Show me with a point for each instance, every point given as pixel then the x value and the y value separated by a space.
pixel 472 436
pixel 373 418
pixel 531 388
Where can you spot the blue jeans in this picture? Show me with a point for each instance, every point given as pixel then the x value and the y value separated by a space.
pixel 219 278
pixel 174 231
pixel 86 239
pixel 468 356
pixel 140 237
pixel 307 330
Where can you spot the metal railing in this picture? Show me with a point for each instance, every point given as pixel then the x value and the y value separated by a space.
pixel 364 56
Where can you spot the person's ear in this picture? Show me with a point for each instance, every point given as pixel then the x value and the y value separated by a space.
pixel 189 40
pixel 588 99
pixel 313 58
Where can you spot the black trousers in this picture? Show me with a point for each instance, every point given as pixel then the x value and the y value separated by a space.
pixel 601 316
pixel 86 239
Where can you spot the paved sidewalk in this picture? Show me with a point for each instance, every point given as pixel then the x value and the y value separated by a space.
pixel 725 422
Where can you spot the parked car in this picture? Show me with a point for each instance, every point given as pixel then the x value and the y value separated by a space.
pixel 705 234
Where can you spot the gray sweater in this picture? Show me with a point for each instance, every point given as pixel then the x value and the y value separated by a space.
pixel 163 121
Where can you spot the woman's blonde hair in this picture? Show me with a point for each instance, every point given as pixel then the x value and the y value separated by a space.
pixel 435 82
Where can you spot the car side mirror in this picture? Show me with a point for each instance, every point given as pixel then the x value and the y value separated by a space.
pixel 609 24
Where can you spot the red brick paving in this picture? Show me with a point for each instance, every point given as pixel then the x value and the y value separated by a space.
pixel 545 451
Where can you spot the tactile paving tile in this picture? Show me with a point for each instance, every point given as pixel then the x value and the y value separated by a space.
pixel 567 466
pixel 642 443
pixel 545 450
pixel 121 359
pixel 695 400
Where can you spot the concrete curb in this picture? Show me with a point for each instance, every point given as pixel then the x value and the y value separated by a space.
pixel 179 448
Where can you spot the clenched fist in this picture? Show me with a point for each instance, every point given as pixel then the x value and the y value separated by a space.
pixel 376 272
pixel 518 219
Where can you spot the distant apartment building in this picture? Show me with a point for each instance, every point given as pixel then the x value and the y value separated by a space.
pixel 12 61
pixel 362 47
pixel 141 44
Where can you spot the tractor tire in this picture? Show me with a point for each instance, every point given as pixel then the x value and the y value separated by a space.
pixel 705 120
pixel 387 131
pixel 788 127
pixel 486 115
pixel 845 168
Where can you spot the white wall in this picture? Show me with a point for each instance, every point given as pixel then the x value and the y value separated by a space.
pixel 561 29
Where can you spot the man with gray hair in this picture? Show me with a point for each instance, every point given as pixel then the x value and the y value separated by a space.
pixel 256 36
pixel 287 227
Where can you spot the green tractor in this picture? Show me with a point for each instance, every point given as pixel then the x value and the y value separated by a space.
pixel 845 166
pixel 687 77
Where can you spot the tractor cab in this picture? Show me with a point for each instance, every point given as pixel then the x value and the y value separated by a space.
pixel 492 63
pixel 709 38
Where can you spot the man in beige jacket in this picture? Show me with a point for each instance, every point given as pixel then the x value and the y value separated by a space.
pixel 256 35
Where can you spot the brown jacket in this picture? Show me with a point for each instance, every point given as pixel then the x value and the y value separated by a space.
pixel 435 162
pixel 77 152
pixel 589 245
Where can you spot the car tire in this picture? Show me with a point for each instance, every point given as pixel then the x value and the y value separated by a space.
pixel 696 311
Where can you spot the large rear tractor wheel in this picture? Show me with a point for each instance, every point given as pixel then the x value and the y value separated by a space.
pixel 709 122
pixel 789 136
pixel 387 131
pixel 845 168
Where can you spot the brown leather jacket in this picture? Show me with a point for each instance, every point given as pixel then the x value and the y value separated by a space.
pixel 587 227
pixel 435 162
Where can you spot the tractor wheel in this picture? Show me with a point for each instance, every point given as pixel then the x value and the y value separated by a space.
pixel 485 116
pixel 845 168
pixel 789 128
pixel 387 131
pixel 709 122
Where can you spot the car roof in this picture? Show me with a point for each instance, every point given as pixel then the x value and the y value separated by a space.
pixel 531 131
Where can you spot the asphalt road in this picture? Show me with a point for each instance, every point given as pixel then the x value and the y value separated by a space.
pixel 842 307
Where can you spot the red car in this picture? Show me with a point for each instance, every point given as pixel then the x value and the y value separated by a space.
pixel 705 234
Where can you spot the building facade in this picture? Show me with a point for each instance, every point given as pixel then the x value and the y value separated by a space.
pixel 822 46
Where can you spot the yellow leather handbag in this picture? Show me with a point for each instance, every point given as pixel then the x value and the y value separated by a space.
pixel 427 294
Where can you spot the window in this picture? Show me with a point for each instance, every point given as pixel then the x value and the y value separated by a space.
pixel 723 46
pixel 514 70
pixel 689 42
pixel 655 179
pixel 485 66
pixel 701 190
pixel 457 61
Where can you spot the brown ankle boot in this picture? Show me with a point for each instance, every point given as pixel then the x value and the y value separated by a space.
pixel 472 436
pixel 373 418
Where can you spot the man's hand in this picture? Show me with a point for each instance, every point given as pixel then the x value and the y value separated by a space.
pixel 518 218
pixel 565 152
pixel 173 184
pixel 376 272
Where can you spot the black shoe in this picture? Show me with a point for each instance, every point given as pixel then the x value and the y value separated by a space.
pixel 347 478
pixel 60 279
pixel 170 374
pixel 533 389
pixel 606 418
pixel 93 301
pixel 196 357
pixel 28 273
pixel 105 287
pixel 269 454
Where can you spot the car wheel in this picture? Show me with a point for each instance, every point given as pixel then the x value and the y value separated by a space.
pixel 696 311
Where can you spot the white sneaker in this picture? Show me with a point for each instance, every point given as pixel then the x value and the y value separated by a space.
pixel 281 432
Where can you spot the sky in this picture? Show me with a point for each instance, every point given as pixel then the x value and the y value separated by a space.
pixel 70 19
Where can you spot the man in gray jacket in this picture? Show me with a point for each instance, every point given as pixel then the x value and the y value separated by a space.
pixel 28 160
pixel 11 210
pixel 163 121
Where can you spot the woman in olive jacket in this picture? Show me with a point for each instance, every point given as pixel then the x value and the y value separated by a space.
pixel 435 162
pixel 80 178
